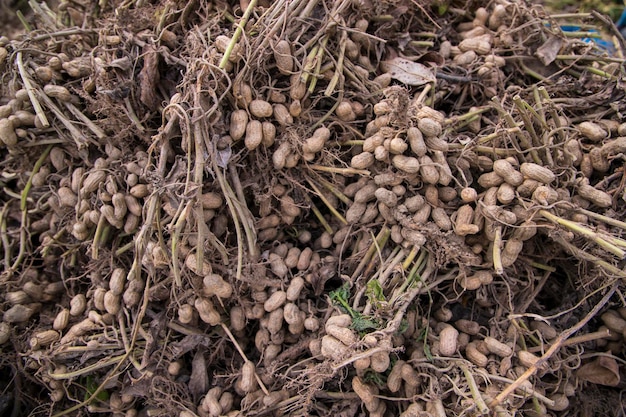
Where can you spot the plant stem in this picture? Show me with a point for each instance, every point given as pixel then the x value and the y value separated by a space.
pixel 497 251
pixel 478 398
pixel 29 183
pixel 31 91
pixel 333 210
pixel 588 233
pixel 237 34
pixel 556 346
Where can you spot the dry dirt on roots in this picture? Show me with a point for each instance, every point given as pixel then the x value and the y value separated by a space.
pixel 347 208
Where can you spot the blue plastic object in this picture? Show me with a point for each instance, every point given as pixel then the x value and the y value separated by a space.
pixel 601 43
pixel 621 22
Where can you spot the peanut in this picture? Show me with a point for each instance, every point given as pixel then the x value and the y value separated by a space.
pixel 380 362
pixel 260 108
pixel 537 172
pixel 599 160
pixel 387 197
pixel 429 127
pixel 316 142
pixel 367 393
pixel 597 197
pixel 497 347
pixel 427 170
pixel 333 348
pixel 254 134
pixel 215 285
pixel 475 356
pixel 406 164
pixel 511 251
pixel 275 301
pixel 238 124
pixel 362 160
pixel 61 320
pixel 503 168
pixel 372 142
pixel 345 112
pixel 490 180
pixel 283 57
pixel 248 380
pixel 57 91
pixel 282 115
pixel 592 131
pixel 448 340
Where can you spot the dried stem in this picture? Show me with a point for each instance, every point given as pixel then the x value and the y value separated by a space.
pixel 243 355
pixel 497 251
pixel 589 337
pixel 558 343
pixel 41 115
pixel 333 210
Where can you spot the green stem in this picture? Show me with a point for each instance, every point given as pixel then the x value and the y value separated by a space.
pixel 333 210
pixel 87 369
pixel 318 63
pixel 520 135
pixel 95 244
pixel 590 58
pixel 330 187
pixel 6 246
pixel 588 233
pixel 604 219
pixel 478 398
pixel 601 73
pixel 237 34
pixel 29 183
pixel 319 215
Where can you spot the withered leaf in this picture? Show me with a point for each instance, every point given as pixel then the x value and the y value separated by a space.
pixel 602 371
pixel 408 72
pixel 199 379
pixel 187 344
pixel 149 78
pixel 549 50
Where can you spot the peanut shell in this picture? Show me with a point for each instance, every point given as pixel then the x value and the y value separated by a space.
pixel 254 135
pixel 448 340
pixel 537 172
pixel 260 108
pixel 283 57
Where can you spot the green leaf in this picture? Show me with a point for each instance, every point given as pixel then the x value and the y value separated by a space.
pixel 374 292
pixel 361 323
pixel 404 326
pixel 427 352
pixel 375 378
pixel 423 337
pixel 341 294
pixel 91 385
pixel 341 297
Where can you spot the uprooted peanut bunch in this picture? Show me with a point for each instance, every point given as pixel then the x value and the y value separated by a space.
pixel 400 208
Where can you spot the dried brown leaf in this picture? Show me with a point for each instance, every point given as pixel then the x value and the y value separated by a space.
pixel 408 72
pixel 149 78
pixel 199 379
pixel 602 371
pixel 549 50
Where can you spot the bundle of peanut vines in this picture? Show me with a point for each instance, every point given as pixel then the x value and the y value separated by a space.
pixel 354 208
